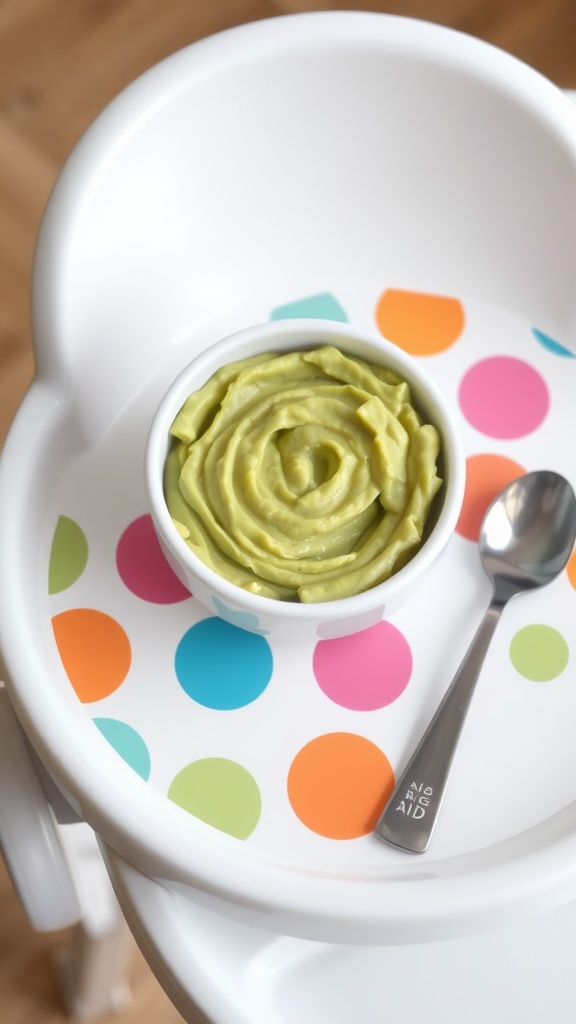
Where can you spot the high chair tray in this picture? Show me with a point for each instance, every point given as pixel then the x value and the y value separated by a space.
pixel 240 770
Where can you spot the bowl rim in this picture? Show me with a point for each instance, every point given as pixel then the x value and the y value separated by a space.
pixel 295 334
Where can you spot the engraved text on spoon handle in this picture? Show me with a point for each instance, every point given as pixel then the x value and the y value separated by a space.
pixel 410 815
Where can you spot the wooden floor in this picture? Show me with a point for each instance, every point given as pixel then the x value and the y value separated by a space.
pixel 61 61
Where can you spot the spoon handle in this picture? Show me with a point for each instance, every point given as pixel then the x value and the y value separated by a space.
pixel 409 817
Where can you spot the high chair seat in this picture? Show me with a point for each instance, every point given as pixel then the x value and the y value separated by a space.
pixel 218 969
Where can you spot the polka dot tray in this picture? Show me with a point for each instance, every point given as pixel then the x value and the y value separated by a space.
pixel 292 749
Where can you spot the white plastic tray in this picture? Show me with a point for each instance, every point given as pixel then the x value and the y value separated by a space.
pixel 242 730
pixel 255 176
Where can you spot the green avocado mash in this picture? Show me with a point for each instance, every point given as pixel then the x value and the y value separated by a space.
pixel 306 476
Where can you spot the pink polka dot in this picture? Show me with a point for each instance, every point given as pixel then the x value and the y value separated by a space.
pixel 365 671
pixel 143 568
pixel 504 397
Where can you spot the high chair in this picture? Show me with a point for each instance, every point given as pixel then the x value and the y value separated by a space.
pixel 417 183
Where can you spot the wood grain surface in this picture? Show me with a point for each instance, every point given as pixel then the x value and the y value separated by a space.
pixel 61 61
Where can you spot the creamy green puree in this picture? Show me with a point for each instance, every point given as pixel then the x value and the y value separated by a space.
pixel 302 476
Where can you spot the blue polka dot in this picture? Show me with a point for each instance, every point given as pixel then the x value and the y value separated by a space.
pixel 126 742
pixel 318 307
pixel 221 666
pixel 552 346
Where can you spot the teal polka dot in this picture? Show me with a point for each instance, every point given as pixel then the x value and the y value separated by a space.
pixel 539 653
pixel 318 307
pixel 126 742
pixel 222 666
pixel 552 346
pixel 221 793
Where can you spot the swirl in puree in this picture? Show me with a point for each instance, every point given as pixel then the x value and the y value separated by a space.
pixel 303 476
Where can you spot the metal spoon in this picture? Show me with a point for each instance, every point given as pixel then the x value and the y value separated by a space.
pixel 526 538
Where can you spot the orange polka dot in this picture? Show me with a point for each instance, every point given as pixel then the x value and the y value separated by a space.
pixel 420 323
pixel 486 475
pixel 572 570
pixel 95 651
pixel 338 785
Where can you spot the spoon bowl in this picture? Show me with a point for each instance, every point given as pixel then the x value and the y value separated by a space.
pixel 526 538
pixel 528 532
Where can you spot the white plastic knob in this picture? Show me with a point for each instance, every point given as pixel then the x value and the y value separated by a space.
pixel 29 837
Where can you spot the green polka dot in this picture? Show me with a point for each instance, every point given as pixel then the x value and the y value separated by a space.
pixel 68 555
pixel 221 793
pixel 539 653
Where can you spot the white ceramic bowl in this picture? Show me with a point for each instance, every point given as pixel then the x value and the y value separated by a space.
pixel 287 619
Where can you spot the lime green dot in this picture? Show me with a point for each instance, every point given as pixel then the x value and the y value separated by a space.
pixel 539 653
pixel 221 793
pixel 68 555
